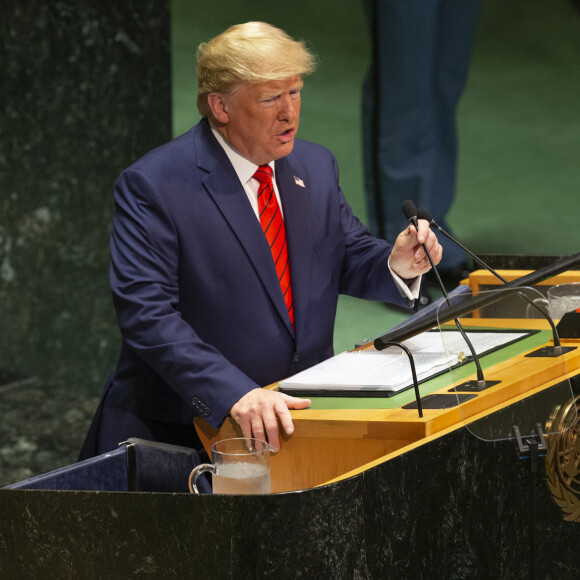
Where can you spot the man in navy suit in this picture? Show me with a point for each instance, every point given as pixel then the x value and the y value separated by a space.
pixel 198 299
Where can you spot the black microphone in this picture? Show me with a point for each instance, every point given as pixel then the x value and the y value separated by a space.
pixel 413 372
pixel 422 213
pixel 411 213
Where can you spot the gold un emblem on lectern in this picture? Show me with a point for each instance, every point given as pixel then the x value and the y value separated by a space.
pixel 563 458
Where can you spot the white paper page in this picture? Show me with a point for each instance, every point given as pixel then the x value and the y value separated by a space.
pixel 367 370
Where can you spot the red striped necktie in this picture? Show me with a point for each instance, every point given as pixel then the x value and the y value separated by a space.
pixel 273 226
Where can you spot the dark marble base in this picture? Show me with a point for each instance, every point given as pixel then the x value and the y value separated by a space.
pixel 457 507
pixel 86 90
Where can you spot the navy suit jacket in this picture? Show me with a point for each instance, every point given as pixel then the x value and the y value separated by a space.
pixel 196 293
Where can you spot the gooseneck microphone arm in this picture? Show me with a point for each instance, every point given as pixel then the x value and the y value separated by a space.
pixel 413 373
pixel 424 214
pixel 410 212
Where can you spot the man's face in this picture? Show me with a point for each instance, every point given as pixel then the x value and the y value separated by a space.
pixel 262 119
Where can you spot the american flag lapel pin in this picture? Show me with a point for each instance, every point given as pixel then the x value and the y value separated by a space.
pixel 299 182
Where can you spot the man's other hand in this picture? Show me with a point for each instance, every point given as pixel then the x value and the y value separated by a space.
pixel 258 411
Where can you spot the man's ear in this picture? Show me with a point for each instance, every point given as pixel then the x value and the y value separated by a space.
pixel 219 107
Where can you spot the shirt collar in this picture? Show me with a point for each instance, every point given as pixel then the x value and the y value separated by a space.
pixel 243 167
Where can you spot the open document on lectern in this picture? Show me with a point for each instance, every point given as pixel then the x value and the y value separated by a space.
pixel 387 372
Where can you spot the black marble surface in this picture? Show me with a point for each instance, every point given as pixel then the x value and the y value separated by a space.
pixel 85 91
pixel 457 507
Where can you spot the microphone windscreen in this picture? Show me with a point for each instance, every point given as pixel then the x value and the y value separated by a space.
pixel 423 214
pixel 409 209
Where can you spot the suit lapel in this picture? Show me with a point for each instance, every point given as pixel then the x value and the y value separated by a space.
pixel 223 185
pixel 295 195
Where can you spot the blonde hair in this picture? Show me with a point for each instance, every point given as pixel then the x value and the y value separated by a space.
pixel 248 53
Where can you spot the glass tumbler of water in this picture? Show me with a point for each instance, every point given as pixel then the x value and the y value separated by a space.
pixel 564 298
pixel 239 466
